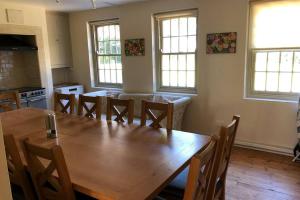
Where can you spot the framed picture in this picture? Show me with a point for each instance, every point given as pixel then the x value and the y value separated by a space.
pixel 135 47
pixel 221 43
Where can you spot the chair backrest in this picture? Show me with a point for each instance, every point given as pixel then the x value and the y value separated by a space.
pixel 223 153
pixel 113 106
pixel 10 97
pixel 200 172
pixel 42 164
pixel 16 169
pixel 151 110
pixel 94 111
pixel 60 99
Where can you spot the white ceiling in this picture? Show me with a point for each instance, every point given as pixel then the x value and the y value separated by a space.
pixel 71 5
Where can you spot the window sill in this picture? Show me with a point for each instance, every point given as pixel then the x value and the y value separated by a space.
pixel 192 94
pixel 271 100
pixel 117 89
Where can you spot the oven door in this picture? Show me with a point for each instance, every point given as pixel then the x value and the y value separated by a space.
pixel 38 102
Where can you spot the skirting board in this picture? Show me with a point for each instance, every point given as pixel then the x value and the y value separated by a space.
pixel 267 148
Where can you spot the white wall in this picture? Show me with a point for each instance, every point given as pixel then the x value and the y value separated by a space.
pixel 221 77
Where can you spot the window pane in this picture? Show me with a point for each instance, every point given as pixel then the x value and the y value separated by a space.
pixel 182 62
pixel 260 81
pixel 173 78
pixel 112 62
pixel 285 82
pixel 192 26
pixel 107 76
pixel 113 47
pixel 112 32
pixel 119 76
pixel 118 62
pixel 101 47
pixel 166 28
pixel 182 78
pixel 296 82
pixel 166 62
pixel 166 78
pixel 191 62
pixel 297 62
pixel 107 47
pixel 173 62
pixel 174 27
pixel 286 61
pixel 106 62
pixel 100 33
pixel 183 44
pixel 174 44
pixel 183 26
pixel 113 74
pixel 117 32
pixel 191 79
pixel 100 62
pixel 272 82
pixel 166 45
pixel 106 33
pixel 261 61
pixel 118 47
pixel 101 76
pixel 191 43
pixel 273 61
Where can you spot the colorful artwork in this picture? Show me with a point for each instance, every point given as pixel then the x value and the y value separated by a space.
pixel 221 43
pixel 135 47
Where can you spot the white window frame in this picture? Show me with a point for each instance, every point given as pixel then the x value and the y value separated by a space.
pixel 94 47
pixel 285 96
pixel 158 57
pixel 250 92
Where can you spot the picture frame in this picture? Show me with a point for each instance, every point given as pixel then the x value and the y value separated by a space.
pixel 135 47
pixel 218 43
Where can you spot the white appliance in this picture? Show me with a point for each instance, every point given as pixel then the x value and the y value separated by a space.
pixel 71 89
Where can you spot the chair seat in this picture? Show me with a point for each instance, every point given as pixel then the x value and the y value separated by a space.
pixel 175 190
pixel 17 192
pixel 80 196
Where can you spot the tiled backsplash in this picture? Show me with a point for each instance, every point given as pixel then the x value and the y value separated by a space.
pixel 19 69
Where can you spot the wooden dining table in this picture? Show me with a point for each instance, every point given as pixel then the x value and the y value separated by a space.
pixel 109 160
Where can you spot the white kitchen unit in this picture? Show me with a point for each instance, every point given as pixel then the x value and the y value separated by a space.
pixel 70 89
pixel 59 39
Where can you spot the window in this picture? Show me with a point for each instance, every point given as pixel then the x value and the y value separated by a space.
pixel 107 53
pixel 176 53
pixel 274 50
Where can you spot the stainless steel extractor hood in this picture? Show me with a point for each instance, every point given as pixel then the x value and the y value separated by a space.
pixel 9 42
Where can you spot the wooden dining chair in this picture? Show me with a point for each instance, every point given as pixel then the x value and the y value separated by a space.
pixel 198 176
pixel 113 106
pixel 46 184
pixel 218 178
pixel 64 103
pixel 156 112
pixel 94 111
pixel 200 173
pixel 9 98
pixel 17 172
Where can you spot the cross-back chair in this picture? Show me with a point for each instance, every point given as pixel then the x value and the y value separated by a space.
pixel 47 186
pixel 9 98
pixel 60 99
pixel 200 172
pixel 94 111
pixel 156 112
pixel 113 106
pixel 16 169
pixel 218 179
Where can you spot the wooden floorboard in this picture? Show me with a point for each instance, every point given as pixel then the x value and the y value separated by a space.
pixel 256 175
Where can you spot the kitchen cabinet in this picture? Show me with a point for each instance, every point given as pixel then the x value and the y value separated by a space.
pixel 59 39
